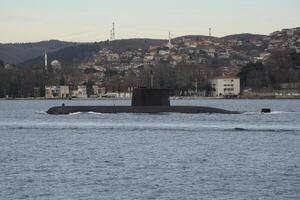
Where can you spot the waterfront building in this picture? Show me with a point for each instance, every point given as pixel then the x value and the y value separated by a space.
pixel 51 92
pixel 57 92
pixel 225 87
pixel 64 92
pixel 81 92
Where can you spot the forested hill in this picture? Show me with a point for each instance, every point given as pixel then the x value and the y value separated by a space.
pixel 244 37
pixel 15 53
pixel 74 55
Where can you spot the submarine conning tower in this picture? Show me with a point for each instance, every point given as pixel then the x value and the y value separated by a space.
pixel 150 97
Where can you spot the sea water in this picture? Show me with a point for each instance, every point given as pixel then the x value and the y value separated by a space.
pixel 144 156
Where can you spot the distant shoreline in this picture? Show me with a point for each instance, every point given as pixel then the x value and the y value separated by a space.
pixel 171 98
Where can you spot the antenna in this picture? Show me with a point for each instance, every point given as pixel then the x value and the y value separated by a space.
pixel 46 60
pixel 210 32
pixel 113 32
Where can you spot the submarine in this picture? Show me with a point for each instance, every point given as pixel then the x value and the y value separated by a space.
pixel 144 100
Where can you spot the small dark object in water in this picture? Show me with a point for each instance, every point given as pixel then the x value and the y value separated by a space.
pixel 240 129
pixel 63 105
pixel 266 110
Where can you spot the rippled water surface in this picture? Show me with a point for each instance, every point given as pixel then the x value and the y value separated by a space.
pixel 142 156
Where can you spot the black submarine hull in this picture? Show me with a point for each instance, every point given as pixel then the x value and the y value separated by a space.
pixel 64 110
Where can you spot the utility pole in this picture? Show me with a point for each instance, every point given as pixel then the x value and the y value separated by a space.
pixel 152 77
pixel 196 86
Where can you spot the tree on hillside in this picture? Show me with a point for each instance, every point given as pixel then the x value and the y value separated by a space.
pixel 89 87
pixel 253 75
pixel 131 79
pixel 70 73
pixel 281 68
pixel 110 72
pixel 185 77
pixel 1 64
pixel 113 83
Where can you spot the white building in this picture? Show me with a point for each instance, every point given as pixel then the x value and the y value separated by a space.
pixel 56 65
pixel 81 92
pixel 225 87
pixel 51 92
pixel 96 90
pixel 64 92
pixel 224 54
pixel 113 57
pixel 55 92
pixel 121 95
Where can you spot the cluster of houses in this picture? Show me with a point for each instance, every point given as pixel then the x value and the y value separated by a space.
pixel 286 38
pixel 230 54
pixel 186 50
pixel 80 92
pixel 64 92
pixel 179 51
pixel 221 87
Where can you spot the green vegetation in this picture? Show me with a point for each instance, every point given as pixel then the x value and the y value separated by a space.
pixel 1 64
pixel 89 87
pixel 19 82
pixel 281 67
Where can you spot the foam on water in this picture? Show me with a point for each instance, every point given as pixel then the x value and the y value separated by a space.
pixel 271 113
pixel 79 113
pixel 42 112
pixel 75 113
pixel 94 113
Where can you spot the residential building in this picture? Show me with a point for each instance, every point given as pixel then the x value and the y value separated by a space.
pixel 81 92
pixel 51 92
pixel 64 92
pixel 225 86
pixel 57 92
pixel 113 57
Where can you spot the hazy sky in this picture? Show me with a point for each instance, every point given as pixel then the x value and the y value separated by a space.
pixel 90 20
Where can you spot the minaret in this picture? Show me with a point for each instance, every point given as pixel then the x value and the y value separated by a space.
pixel 210 32
pixel 46 60
pixel 170 40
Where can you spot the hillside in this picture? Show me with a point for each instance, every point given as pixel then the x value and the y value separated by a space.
pixel 28 54
pixel 244 37
pixel 77 54
pixel 15 53
pixel 247 46
pixel 263 62
pixel 196 37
